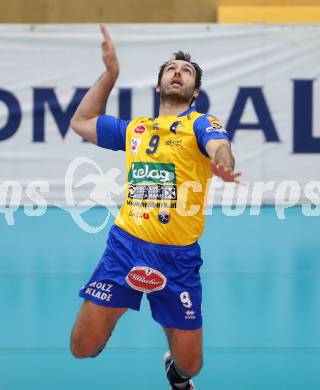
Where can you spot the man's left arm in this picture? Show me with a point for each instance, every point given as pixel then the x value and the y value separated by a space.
pixel 222 160
pixel 214 143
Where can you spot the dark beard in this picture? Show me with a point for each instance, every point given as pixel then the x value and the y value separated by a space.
pixel 175 98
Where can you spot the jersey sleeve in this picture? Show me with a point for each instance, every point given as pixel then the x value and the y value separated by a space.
pixel 208 127
pixel 111 132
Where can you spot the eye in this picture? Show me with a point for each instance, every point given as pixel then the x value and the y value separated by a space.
pixel 170 67
pixel 188 70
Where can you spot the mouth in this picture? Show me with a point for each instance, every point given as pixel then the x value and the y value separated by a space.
pixel 176 82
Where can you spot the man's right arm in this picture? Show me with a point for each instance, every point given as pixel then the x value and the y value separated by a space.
pixel 93 104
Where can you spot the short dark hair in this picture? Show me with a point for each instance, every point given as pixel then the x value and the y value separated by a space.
pixel 180 55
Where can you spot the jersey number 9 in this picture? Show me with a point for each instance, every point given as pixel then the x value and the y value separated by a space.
pixel 153 144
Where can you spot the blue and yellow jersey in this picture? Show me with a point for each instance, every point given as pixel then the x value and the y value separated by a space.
pixel 168 173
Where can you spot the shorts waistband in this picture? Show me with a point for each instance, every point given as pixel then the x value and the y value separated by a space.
pixel 150 245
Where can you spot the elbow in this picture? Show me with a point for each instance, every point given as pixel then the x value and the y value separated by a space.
pixel 74 124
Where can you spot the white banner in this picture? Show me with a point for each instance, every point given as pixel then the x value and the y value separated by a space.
pixel 261 81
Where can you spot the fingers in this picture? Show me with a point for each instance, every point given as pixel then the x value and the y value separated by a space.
pixel 231 177
pixel 226 174
pixel 108 52
pixel 236 174
pixel 107 42
pixel 105 32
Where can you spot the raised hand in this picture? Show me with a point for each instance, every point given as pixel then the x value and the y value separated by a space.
pixel 109 55
pixel 224 173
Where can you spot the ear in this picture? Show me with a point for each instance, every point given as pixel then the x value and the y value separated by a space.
pixel 158 88
pixel 196 93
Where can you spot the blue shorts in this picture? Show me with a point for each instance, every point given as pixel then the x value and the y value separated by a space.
pixel 168 274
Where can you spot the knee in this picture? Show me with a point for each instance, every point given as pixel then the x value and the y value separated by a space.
pixel 77 348
pixel 80 349
pixel 191 367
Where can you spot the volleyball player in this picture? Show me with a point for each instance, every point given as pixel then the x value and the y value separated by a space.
pixel 152 247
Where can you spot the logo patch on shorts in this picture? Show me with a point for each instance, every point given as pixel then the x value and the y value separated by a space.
pixel 100 290
pixel 190 315
pixel 146 279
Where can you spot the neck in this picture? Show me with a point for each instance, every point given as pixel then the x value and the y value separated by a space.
pixel 172 108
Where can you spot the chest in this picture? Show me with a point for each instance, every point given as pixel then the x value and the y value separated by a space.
pixel 167 140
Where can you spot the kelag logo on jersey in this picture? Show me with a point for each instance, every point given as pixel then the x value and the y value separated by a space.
pixel 152 181
pixel 145 172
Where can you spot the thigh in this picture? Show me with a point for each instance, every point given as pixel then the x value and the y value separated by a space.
pixel 93 327
pixel 94 320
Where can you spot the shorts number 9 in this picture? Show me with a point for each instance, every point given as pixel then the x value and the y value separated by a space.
pixel 185 299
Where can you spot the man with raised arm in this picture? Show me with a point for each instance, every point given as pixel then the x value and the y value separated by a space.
pixel 152 247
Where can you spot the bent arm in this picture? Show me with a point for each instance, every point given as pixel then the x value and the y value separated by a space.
pixel 95 100
pixel 222 160
pixel 219 151
pixel 91 106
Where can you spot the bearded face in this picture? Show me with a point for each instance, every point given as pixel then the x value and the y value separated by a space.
pixel 178 82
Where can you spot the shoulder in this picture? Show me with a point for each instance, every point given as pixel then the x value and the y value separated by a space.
pixel 111 122
pixel 138 121
pixel 208 127
pixel 209 123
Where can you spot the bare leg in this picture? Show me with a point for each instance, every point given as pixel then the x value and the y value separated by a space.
pixel 93 328
pixel 186 350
